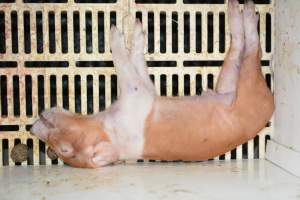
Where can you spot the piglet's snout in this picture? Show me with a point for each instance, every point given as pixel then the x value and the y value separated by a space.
pixel 39 130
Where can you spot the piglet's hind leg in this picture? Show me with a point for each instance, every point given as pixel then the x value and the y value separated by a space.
pixel 229 76
pixel 250 26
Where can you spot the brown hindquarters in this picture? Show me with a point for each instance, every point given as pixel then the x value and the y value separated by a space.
pixel 191 129
pixel 254 105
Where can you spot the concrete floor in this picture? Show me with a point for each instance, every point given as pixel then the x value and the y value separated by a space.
pixel 257 179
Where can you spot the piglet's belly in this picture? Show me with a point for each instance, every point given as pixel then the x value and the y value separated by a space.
pixel 190 129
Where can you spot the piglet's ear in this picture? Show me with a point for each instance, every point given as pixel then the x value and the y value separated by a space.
pixel 105 154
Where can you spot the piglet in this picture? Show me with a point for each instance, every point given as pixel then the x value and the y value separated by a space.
pixel 142 125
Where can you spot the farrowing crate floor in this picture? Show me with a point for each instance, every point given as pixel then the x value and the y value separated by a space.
pixel 248 179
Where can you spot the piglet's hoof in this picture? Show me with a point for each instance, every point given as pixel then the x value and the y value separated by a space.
pixel 51 154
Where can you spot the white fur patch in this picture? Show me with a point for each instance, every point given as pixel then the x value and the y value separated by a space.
pixel 125 122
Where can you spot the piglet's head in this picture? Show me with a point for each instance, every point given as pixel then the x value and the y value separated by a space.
pixel 79 141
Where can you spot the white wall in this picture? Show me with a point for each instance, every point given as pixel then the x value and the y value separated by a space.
pixel 285 144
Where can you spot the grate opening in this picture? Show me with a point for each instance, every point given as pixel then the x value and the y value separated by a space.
pixel 14 32
pixel 152 78
pixel 64 32
pixel 7 1
pixel 45 64
pixel 268 33
pixel 28 127
pixel 27 35
pixel 174 32
pixel 102 102
pixel 187 88
pixel 199 87
pixel 214 63
pixel 256 147
pixel 210 81
pixel 101 35
pixel 16 95
pixel 95 1
pixel 198 32
pixel 221 1
pixel 186 32
pixel 2 32
pixel 139 16
pixel 76 29
pixel 165 63
pixel 267 138
pixel 174 85
pixel 155 1
pixel 8 64
pixel 51 24
pixel 222 32
pixel 29 143
pixel 268 80
pixel 5 154
pixel 196 63
pixel 258 1
pixel 42 153
pixel 258 25
pixel 54 162
pixel 94 64
pixel 28 92
pixel 61 1
pixel 77 84
pixel 7 128
pixel 245 151
pixel 233 154
pixel 39 32
pixel 210 32
pixel 113 18
pixel 114 88
pixel 163 32
pixel 3 94
pixel 45 1
pixel 53 91
pixel 204 1
pixel 41 93
pixel 163 85
pixel 150 32
pixel 89 100
pixel 88 32
pixel 265 63
pixel 65 92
